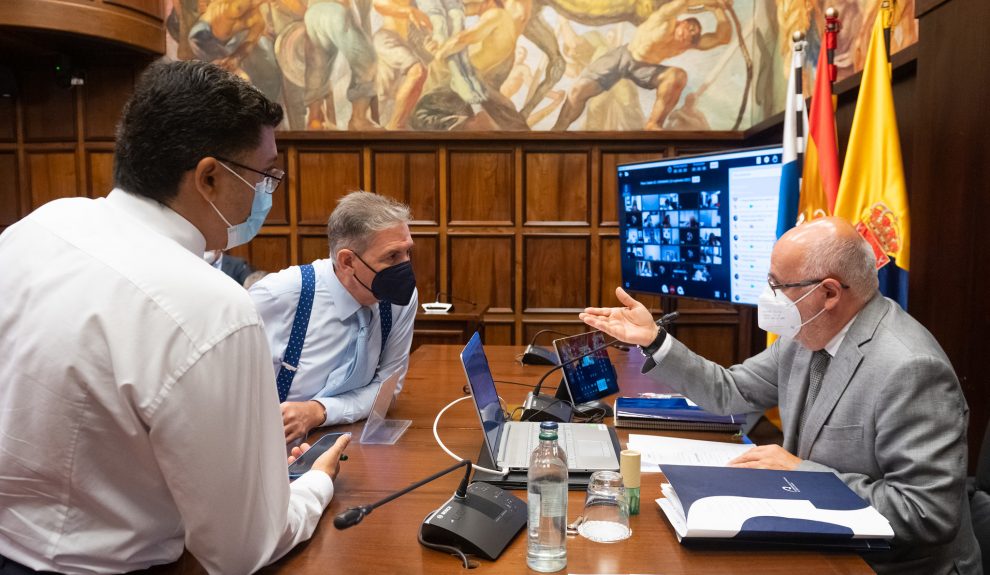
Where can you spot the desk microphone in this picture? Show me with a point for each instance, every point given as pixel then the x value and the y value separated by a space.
pixel 539 407
pixel 480 518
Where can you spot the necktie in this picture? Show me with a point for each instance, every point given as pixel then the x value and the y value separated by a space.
pixel 819 365
pixel 360 348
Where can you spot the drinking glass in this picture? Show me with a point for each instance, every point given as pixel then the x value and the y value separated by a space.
pixel 606 512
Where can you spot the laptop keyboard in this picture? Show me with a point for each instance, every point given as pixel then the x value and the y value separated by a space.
pixel 566 440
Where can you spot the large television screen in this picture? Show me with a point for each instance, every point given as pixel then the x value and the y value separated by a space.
pixel 700 226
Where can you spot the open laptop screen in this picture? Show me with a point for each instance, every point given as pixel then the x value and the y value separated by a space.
pixel 589 378
pixel 479 377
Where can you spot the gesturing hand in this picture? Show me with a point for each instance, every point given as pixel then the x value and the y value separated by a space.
pixel 631 324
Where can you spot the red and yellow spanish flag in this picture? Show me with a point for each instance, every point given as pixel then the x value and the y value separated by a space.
pixel 872 195
pixel 820 178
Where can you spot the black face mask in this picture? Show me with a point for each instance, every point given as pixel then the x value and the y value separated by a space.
pixel 394 283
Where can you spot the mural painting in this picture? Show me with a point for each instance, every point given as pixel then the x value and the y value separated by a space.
pixel 596 65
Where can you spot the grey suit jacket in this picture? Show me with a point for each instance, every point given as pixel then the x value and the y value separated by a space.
pixel 890 421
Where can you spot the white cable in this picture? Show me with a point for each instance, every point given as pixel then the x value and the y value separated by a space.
pixel 436 436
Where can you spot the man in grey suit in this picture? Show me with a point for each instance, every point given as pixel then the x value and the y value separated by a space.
pixel 864 391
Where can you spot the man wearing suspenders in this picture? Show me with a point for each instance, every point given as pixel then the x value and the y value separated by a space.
pixel 340 326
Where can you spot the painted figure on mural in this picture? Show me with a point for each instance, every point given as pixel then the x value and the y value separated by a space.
pixel 595 65
pixel 401 71
pixel 491 47
pixel 662 36
pixel 234 35
pixel 333 28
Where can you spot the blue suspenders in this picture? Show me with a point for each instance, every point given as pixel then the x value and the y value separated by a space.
pixel 300 323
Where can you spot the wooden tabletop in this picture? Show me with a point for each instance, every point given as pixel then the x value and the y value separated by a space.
pixel 385 542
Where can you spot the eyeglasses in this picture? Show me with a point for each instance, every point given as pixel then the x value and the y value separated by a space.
pixel 273 177
pixel 776 286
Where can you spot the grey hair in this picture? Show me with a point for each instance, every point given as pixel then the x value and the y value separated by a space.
pixel 359 216
pixel 850 259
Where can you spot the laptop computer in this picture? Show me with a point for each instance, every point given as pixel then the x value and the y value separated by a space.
pixel 377 429
pixel 590 447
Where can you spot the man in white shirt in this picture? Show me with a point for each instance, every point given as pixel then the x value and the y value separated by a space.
pixel 340 326
pixel 138 408
pixel 865 392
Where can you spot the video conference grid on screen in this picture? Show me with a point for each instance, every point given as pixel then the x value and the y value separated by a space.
pixel 700 226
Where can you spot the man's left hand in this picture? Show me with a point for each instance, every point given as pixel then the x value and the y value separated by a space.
pixel 298 417
pixel 767 457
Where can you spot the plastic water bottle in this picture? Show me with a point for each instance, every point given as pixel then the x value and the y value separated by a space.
pixel 547 499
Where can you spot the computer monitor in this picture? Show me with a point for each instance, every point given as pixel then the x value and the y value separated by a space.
pixel 590 378
pixel 700 226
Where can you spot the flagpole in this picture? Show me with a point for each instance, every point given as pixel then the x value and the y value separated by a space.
pixel 832 27
pixel 888 16
pixel 798 95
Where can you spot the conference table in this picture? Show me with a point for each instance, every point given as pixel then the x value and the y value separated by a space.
pixel 386 540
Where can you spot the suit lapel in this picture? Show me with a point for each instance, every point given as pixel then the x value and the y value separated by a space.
pixel 840 372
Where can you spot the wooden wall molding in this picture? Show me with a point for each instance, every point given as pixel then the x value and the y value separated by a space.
pixel 138 24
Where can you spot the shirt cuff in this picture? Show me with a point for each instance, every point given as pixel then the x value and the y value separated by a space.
pixel 325 401
pixel 653 361
pixel 317 483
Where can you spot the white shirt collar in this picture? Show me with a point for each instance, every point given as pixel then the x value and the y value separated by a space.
pixel 832 347
pixel 343 301
pixel 159 218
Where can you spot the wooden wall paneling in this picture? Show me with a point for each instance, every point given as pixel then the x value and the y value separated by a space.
pixel 10 201
pixel 279 214
pixel 949 201
pixel 482 270
pixel 712 341
pixel 557 187
pixel 100 171
pixel 572 326
pixel 411 178
pixel 269 252
pixel 312 247
pixel 325 176
pixel 557 272
pixel 499 332
pixel 480 187
pixel 139 25
pixel 106 91
pixel 608 214
pixel 49 110
pixel 8 120
pixel 426 259
pixel 52 175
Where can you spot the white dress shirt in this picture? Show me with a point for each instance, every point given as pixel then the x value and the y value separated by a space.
pixel 138 410
pixel 330 341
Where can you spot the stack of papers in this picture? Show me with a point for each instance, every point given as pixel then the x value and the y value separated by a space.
pixel 659 451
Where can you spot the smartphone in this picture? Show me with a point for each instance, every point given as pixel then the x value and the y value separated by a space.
pixel 305 461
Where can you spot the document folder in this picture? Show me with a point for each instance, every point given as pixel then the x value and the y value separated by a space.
pixel 809 508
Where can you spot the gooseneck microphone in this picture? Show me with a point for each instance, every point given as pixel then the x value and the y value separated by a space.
pixel 354 515
pixel 537 405
pixel 479 519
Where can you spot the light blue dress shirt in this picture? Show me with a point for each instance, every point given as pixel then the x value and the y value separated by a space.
pixel 331 339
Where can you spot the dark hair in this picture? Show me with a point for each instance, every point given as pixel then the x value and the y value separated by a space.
pixel 180 113
pixel 696 37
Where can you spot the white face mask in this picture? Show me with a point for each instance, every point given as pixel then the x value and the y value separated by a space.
pixel 778 314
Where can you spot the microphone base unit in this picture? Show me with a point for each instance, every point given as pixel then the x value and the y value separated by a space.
pixel 482 523
pixel 541 407
pixel 539 355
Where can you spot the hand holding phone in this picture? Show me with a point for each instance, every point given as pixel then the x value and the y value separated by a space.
pixel 324 455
